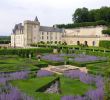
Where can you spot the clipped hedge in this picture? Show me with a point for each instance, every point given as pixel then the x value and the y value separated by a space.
pixel 25 52
pixel 104 43
pixel 77 64
pixel 53 62
pixel 83 24
pixel 106 31
pixel 42 64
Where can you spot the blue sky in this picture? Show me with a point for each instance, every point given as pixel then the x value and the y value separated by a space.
pixel 49 12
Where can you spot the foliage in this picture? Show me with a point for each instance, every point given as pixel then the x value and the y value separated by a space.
pixel 106 31
pixel 25 52
pixel 15 63
pixel 104 43
pixel 43 73
pixel 83 24
pixel 5 39
pixel 41 64
pixel 81 15
pixel 101 68
pixel 85 15
pixel 31 85
pixel 97 94
pixel 73 59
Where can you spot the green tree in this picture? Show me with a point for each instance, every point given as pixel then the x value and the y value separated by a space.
pixel 81 15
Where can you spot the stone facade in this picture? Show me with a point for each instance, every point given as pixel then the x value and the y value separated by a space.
pixel 85 35
pixel 31 32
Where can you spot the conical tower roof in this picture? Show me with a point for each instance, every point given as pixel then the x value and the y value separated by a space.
pixel 36 19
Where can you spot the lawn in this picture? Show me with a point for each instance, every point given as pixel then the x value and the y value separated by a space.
pixel 99 68
pixel 31 85
pixel 15 63
pixel 68 87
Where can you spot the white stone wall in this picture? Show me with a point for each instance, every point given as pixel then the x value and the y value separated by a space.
pixel 82 34
pixel 50 36
pixel 74 40
pixel 85 31
pixel 17 40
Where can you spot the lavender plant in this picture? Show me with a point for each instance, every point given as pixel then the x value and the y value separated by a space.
pixel 42 73
pixel 97 94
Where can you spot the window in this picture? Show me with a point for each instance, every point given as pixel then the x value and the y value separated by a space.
pixel 47 37
pixel 42 37
pixel 85 43
pixel 78 42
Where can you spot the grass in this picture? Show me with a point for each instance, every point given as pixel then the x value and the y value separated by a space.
pixel 15 63
pixel 99 68
pixel 68 87
pixel 73 86
pixel 31 85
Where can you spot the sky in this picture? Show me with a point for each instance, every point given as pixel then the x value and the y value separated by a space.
pixel 49 12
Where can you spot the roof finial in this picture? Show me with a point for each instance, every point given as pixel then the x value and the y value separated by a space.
pixel 36 19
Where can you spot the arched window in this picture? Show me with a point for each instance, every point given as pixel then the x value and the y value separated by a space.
pixel 78 42
pixel 85 43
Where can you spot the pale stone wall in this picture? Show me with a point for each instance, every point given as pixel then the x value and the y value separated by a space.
pixel 12 40
pixel 31 32
pixel 91 35
pixel 85 31
pixel 17 40
pixel 50 36
pixel 74 41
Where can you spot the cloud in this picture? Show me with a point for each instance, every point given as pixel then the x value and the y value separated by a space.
pixel 49 12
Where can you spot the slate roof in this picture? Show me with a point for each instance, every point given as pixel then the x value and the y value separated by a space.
pixel 18 27
pixel 36 19
pixel 50 29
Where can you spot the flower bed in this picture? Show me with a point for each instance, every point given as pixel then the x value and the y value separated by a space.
pixel 53 57
pixel 75 57
pixel 7 91
pixel 43 73
pixel 97 94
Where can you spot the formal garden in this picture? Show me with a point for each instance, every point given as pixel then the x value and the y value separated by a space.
pixel 21 77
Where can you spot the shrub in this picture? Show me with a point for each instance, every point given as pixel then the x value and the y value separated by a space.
pixel 42 64
pixel 83 24
pixel 55 63
pixel 104 43
pixel 25 52
pixel 106 31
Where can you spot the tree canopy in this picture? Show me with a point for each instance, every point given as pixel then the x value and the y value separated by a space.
pixel 85 15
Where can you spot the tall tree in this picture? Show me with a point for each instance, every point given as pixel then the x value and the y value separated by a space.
pixel 81 15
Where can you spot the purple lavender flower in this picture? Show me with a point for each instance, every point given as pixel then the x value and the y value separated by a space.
pixel 42 73
pixel 14 94
pixel 53 57
pixel 97 94
pixel 19 75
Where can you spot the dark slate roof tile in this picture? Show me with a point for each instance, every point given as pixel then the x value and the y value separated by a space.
pixel 50 29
